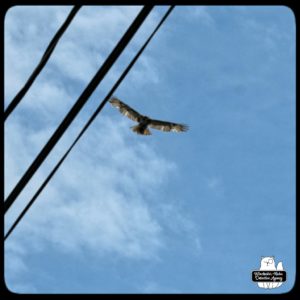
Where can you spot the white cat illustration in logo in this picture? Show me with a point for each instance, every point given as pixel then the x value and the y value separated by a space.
pixel 268 264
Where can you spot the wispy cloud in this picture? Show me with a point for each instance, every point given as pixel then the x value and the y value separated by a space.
pixel 203 14
pixel 197 13
pixel 98 201
pixel 104 197
pixel 81 51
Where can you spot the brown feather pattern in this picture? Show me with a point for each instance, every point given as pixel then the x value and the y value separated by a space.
pixel 144 121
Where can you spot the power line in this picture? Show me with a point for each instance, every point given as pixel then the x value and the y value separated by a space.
pixel 97 111
pixel 78 105
pixel 13 104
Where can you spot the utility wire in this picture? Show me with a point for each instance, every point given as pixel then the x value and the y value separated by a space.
pixel 78 105
pixel 13 104
pixel 97 111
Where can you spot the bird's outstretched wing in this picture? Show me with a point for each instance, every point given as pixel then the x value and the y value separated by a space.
pixel 125 109
pixel 168 126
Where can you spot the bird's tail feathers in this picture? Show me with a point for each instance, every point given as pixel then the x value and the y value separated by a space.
pixel 140 130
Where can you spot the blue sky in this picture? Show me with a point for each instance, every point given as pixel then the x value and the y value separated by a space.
pixel 166 213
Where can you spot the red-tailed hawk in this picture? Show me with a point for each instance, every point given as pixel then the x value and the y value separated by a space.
pixel 144 121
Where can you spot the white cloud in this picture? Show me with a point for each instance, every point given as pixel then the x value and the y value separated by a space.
pixel 97 202
pixel 15 263
pixel 105 197
pixel 82 49
pixel 100 192
pixel 148 66
pixel 26 41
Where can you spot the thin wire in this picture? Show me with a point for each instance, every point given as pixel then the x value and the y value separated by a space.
pixel 17 99
pixel 78 105
pixel 97 111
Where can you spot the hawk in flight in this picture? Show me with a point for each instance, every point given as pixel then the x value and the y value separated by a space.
pixel 144 121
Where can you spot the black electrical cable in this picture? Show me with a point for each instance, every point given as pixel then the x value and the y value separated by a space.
pixel 17 99
pixel 97 111
pixel 78 105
